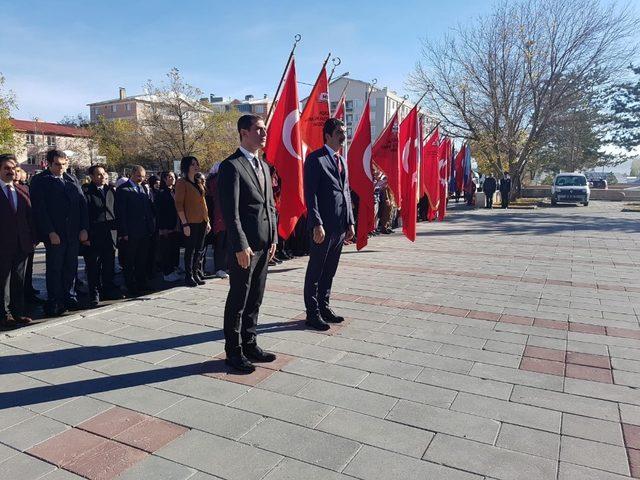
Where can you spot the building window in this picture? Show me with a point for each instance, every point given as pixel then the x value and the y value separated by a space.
pixel 244 107
pixel 128 107
pixel 333 106
pixel 51 141
pixel 31 139
pixel 372 116
pixel 349 132
pixel 31 159
pixel 114 108
pixel 373 130
pixel 260 108
pixel 349 104
pixel 349 118
pixel 358 103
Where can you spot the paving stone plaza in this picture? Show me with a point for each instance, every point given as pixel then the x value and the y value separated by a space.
pixel 501 345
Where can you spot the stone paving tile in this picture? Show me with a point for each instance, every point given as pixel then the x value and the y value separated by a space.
pixel 488 460
pixel 630 414
pixel 348 398
pixel 311 446
pixel 542 366
pixel 7 452
pixel 521 377
pixel 615 393
pixel 417 392
pixel 592 429
pixel 65 448
pixel 31 432
pixel 290 469
pixel 528 440
pixel 106 461
pixel 589 373
pixel 329 372
pixel 203 387
pixel 375 464
pixel 445 421
pixel 569 471
pixel 631 436
pixel 23 467
pixel 602 456
pixel 376 432
pixel 380 365
pixel 150 434
pixel 433 361
pixel 492 358
pixel 157 468
pixel 285 383
pixel 141 398
pixel 77 410
pixel 60 474
pixel 219 456
pixel 465 383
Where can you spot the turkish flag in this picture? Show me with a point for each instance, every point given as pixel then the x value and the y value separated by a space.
pixel 459 166
pixel 408 142
pixel 430 174
pixel 284 152
pixel 314 114
pixel 386 156
pixel 361 176
pixel 340 108
pixel 444 156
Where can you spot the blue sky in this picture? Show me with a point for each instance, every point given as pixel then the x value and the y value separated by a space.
pixel 59 55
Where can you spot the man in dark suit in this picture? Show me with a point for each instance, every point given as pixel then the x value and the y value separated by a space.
pixel 489 188
pixel 16 243
pixel 135 220
pixel 331 220
pixel 505 189
pixel 61 217
pixel 99 255
pixel 246 198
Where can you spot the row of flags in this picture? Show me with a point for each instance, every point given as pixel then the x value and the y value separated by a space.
pixel 414 165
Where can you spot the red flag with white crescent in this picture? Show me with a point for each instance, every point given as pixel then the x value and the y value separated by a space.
pixel 386 156
pixel 284 151
pixel 314 114
pixel 444 167
pixel 340 108
pixel 408 143
pixel 430 174
pixel 361 177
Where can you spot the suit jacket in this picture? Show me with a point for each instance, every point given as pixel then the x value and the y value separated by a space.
pixel 489 185
pixel 249 214
pixel 505 185
pixel 135 216
pixel 18 228
pixel 326 192
pixel 102 218
pixel 167 215
pixel 59 207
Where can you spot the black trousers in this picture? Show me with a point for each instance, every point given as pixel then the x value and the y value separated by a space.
pixel 28 278
pixel 220 260
pixel 169 247
pixel 99 261
pixel 488 199
pixel 12 273
pixel 246 289
pixel 62 266
pixel 194 248
pixel 135 252
pixel 505 199
pixel 322 266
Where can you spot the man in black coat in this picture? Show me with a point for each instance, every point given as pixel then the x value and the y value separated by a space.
pixel 489 188
pixel 331 220
pixel 135 222
pixel 505 189
pixel 99 255
pixel 16 243
pixel 246 199
pixel 60 210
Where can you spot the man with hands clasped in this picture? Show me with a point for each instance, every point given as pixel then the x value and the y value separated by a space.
pixel 249 214
pixel 330 219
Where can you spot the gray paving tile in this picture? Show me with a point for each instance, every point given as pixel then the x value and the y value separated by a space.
pixel 430 360
pixel 445 421
pixel 285 383
pixel 380 365
pixel 219 456
pixel 205 388
pixel 521 377
pixel 630 414
pixel 7 452
pixel 602 456
pixel 141 398
pixel 326 371
pixel 417 392
pixel 157 468
pixel 376 432
pixel 211 417
pixel 375 464
pixel 348 398
pixel 488 460
pixel 290 469
pixel 465 383
pixel 25 467
pixel 592 429
pixel 31 432
pixel 569 471
pixel 311 446
pixel 77 410
pixel 528 440
pixel 60 474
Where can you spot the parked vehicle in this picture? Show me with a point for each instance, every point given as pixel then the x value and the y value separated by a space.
pixel 570 188
pixel 599 183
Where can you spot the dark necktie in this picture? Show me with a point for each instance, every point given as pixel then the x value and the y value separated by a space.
pixel 339 163
pixel 10 197
pixel 258 169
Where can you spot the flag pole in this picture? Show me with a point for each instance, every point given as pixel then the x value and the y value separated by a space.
pixel 336 62
pixel 390 118
pixel 297 39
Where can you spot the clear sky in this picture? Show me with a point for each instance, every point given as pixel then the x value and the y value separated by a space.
pixel 59 55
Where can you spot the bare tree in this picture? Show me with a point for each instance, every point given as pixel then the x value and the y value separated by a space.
pixel 7 102
pixel 505 80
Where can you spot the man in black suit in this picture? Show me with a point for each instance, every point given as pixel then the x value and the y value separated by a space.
pixel 135 221
pixel 246 198
pixel 16 243
pixel 505 189
pixel 99 255
pixel 489 188
pixel 330 217
pixel 61 217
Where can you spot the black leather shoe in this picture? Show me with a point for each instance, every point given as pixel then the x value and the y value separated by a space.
pixel 256 354
pixel 197 276
pixel 94 300
pixel 240 363
pixel 328 315
pixel 189 281
pixel 72 304
pixel 317 323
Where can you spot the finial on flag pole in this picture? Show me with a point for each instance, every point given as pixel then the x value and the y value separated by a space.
pixel 336 62
pixel 297 37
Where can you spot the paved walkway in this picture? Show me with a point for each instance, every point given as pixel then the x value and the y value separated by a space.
pixel 502 345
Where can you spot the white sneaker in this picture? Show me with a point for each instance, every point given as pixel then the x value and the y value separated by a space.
pixel 172 277
pixel 222 274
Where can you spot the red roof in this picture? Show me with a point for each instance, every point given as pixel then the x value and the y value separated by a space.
pixel 44 128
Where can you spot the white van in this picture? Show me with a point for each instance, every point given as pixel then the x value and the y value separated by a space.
pixel 570 188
